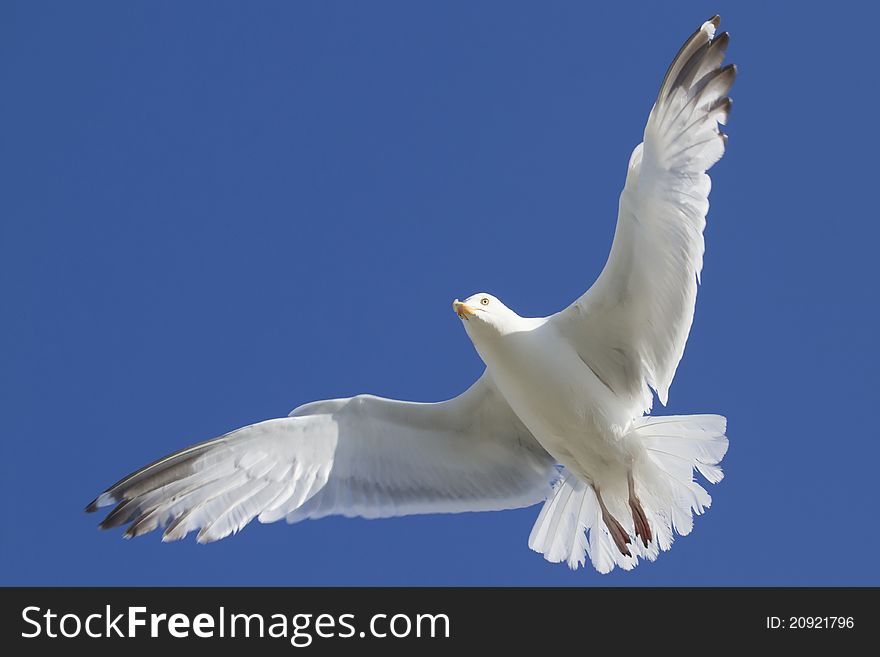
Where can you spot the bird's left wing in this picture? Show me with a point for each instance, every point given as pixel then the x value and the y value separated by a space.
pixel 631 326
pixel 363 456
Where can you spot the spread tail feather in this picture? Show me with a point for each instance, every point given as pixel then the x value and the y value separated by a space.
pixel 570 527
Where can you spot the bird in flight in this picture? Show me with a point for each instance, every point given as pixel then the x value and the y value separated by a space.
pixel 559 416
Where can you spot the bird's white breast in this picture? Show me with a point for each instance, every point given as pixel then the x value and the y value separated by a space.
pixel 563 403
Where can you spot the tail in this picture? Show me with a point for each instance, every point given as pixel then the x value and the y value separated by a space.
pixel 570 526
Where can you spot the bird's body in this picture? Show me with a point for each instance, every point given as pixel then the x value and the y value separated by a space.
pixel 571 390
pixel 567 408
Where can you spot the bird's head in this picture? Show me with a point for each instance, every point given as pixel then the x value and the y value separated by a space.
pixel 484 314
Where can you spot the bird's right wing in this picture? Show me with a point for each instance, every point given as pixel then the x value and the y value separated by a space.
pixel 363 456
pixel 631 326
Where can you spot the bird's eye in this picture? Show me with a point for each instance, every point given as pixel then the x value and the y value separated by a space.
pixel 484 301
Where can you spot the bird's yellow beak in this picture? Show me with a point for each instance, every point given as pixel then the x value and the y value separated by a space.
pixel 462 309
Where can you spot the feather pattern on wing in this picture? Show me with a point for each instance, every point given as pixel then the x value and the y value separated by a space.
pixel 363 456
pixel 632 324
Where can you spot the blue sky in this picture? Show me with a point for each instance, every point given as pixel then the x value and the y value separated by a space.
pixel 209 207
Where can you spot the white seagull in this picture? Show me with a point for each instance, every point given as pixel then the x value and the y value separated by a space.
pixel 559 415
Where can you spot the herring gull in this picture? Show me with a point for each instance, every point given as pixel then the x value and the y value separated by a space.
pixel 559 416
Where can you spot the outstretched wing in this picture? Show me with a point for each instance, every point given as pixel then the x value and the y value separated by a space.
pixel 363 456
pixel 631 326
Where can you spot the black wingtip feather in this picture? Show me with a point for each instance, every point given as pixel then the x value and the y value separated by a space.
pixel 724 105
pixel 729 72
pixel 721 103
pixel 92 506
pixel 140 526
pixel 685 55
pixel 724 76
pixel 121 514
